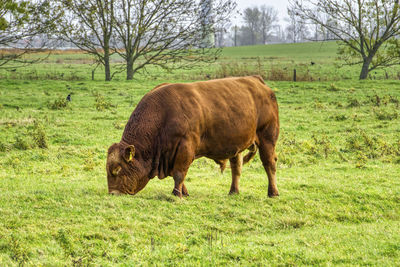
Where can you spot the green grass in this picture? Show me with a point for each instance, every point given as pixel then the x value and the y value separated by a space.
pixel 338 176
pixel 317 52
pixel 275 62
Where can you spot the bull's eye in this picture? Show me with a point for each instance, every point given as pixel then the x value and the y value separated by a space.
pixel 116 170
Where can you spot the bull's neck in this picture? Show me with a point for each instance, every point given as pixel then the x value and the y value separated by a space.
pixel 142 131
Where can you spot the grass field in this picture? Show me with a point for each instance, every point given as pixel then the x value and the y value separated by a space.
pixel 338 174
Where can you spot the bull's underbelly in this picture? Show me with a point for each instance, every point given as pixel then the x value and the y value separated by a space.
pixel 226 145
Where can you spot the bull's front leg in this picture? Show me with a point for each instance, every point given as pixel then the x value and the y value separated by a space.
pixel 236 168
pixel 179 177
pixel 185 192
pixel 184 157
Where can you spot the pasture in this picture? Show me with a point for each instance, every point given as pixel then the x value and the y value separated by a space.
pixel 338 171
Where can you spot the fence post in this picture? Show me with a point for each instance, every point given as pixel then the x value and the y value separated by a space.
pixel 294 75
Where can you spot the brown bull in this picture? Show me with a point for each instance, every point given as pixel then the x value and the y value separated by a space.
pixel 176 123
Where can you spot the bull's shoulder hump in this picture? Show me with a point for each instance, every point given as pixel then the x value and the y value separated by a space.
pixel 159 86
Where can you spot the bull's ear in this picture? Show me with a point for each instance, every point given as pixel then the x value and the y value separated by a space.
pixel 129 153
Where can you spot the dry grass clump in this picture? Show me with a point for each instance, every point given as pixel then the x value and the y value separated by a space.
pixel 235 69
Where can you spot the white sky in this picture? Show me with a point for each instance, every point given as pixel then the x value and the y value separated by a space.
pixel 280 5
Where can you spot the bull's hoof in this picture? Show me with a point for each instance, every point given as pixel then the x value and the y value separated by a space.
pixel 273 193
pixel 177 193
pixel 234 192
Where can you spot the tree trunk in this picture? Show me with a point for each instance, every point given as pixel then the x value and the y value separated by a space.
pixel 365 68
pixel 129 69
pixel 107 64
pixel 235 35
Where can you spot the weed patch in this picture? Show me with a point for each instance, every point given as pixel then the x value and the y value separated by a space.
pixel 353 103
pixel 233 69
pixel 341 117
pixel 386 115
pixel 39 135
pixel 17 251
pixel 31 137
pixel 101 103
pixel 333 88
pixel 22 142
pixel 57 104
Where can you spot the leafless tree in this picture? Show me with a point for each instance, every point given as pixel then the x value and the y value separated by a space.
pixel 221 29
pixel 252 18
pixel 297 30
pixel 88 24
pixel 368 29
pixel 20 23
pixel 268 19
pixel 235 35
pixel 159 32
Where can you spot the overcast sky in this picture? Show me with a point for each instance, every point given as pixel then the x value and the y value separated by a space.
pixel 280 5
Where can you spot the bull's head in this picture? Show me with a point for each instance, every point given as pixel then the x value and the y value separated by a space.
pixel 125 174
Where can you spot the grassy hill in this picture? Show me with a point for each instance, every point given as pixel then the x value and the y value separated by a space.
pixel 338 170
pixel 317 52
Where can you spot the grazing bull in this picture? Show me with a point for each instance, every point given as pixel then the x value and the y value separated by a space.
pixel 176 123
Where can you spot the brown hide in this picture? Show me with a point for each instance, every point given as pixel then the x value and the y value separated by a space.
pixel 176 123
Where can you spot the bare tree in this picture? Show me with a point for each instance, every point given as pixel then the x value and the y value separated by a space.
pixel 297 29
pixel 221 28
pixel 235 35
pixel 88 24
pixel 157 32
pixel 20 23
pixel 268 19
pixel 251 17
pixel 220 32
pixel 368 29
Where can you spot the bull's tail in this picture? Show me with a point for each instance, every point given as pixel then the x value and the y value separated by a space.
pixel 249 156
pixel 252 152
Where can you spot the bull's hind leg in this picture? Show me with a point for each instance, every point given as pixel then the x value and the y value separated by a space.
pixel 184 157
pixel 236 168
pixel 268 158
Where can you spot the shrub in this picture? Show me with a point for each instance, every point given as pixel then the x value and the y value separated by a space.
pixel 353 103
pixel 277 74
pixel 375 100
pixel 287 74
pixel 384 115
pixel 235 69
pixel 21 142
pixel 333 88
pixel 39 135
pixel 318 105
pixel 361 160
pixel 4 147
pixel 89 163
pixel 119 125
pixel 341 117
pixel 60 103
pixel 394 100
pixel 101 103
